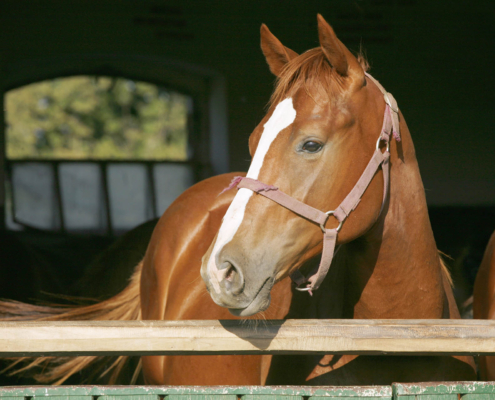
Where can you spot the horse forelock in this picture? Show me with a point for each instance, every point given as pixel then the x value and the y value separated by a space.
pixel 311 71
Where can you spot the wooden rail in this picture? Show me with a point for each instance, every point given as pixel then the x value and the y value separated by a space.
pixel 427 337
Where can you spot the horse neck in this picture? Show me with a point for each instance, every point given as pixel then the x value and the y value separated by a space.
pixel 394 270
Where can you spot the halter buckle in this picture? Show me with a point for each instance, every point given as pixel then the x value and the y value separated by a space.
pixel 338 228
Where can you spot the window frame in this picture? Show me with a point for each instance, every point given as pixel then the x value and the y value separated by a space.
pixel 205 87
pixel 102 165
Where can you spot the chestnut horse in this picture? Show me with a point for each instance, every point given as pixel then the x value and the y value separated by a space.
pixel 321 130
pixel 484 302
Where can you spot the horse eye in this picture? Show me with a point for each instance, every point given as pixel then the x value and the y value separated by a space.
pixel 312 147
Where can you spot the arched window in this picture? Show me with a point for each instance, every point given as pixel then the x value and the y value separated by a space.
pixel 95 154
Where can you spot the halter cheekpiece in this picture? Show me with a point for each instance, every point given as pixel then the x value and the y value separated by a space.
pixel 378 160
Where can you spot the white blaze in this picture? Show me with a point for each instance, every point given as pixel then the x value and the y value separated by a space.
pixel 283 115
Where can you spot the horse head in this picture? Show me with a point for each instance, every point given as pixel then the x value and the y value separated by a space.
pixel 321 130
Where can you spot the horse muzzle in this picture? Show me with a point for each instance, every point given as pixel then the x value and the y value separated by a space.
pixel 227 287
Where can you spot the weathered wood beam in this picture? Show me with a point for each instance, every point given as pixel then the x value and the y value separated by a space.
pixel 426 337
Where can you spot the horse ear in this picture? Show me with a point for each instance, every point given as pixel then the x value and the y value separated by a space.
pixel 332 47
pixel 276 54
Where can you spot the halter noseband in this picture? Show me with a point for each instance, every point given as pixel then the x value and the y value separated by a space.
pixel 379 159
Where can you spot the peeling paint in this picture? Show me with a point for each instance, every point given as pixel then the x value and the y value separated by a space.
pixel 394 391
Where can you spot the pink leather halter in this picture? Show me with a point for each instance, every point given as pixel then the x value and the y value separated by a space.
pixel 379 159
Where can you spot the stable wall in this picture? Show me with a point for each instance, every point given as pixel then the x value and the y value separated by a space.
pixel 435 57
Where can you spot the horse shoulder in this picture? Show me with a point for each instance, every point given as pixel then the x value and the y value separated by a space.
pixel 180 238
pixel 172 289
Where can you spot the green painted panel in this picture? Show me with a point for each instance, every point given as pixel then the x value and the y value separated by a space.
pixel 333 398
pixel 125 397
pixel 204 396
pixel 370 394
pixel 462 388
pixel 269 397
pixel 66 397
pixel 352 393
pixel 452 396
pixel 144 392
pixel 479 396
pixel 425 391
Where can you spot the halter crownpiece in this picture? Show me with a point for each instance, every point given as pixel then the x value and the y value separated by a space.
pixel 379 159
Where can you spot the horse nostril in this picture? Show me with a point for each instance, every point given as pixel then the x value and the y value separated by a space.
pixel 233 280
pixel 229 276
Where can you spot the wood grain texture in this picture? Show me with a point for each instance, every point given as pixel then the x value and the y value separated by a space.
pixel 430 337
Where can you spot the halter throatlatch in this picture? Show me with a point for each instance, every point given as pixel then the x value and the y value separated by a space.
pixel 380 159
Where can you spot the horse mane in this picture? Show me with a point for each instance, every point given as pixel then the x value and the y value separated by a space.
pixel 310 70
pixel 445 268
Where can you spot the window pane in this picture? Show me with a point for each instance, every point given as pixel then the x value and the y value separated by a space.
pixel 82 197
pixel 35 200
pixel 85 117
pixel 9 217
pixel 170 181
pixel 130 200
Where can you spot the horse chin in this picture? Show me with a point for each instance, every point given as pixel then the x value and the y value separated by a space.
pixel 258 305
pixel 260 302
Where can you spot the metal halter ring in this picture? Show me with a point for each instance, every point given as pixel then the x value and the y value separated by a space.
pixel 338 228
pixel 386 141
